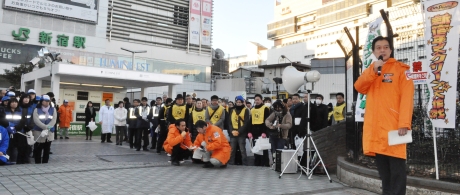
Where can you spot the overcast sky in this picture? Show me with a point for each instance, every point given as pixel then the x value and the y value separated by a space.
pixel 236 22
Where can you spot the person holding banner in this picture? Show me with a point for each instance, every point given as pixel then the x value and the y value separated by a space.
pixel 389 106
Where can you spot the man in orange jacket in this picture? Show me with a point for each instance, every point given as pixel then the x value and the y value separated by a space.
pixel 65 117
pixel 177 142
pixel 211 141
pixel 389 105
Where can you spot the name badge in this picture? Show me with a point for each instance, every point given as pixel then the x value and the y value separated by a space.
pixel 387 78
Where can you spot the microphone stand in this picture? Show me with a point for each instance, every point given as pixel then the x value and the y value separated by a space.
pixel 309 138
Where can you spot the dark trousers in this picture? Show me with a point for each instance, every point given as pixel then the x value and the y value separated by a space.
pixel 132 136
pixel 142 134
pixel 154 136
pixel 392 171
pixel 277 143
pixel 106 135
pixel 161 138
pixel 23 147
pixel 38 149
pixel 120 132
pixel 88 131
pixel 240 142
pixel 12 148
pixel 261 160
pixel 178 153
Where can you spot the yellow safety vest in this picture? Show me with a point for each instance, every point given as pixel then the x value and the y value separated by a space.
pixel 197 115
pixel 258 115
pixel 236 117
pixel 178 112
pixel 338 115
pixel 165 111
pixel 191 109
pixel 217 114
pixel 330 115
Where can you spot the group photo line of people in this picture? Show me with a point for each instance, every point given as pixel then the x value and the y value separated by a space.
pixel 213 132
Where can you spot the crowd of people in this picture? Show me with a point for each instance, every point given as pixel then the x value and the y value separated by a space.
pixel 215 132
pixel 211 132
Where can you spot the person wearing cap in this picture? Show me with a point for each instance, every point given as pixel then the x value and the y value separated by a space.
pixel 44 118
pixel 34 99
pixel 196 115
pixel 4 141
pixel 65 117
pixel 211 145
pixel 238 127
pixel 132 123
pixel 17 120
pixel 259 113
pixel 5 101
pixel 177 142
pixel 11 94
pixel 178 111
pixel 106 121
pixel 143 114
pixel 162 116
pixel 215 114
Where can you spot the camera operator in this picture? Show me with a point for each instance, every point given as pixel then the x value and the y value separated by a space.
pixel 279 122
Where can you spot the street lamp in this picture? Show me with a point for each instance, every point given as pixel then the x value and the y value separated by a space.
pixel 284 57
pixel 134 52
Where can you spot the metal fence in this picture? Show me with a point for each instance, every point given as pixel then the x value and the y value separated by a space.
pixel 409 48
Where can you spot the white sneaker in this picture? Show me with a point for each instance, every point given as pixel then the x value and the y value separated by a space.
pixel 168 154
pixel 181 162
pixel 169 161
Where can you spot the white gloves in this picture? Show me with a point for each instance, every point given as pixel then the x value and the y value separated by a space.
pixel 44 133
pixel 11 136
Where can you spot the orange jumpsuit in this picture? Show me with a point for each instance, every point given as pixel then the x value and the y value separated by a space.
pixel 175 138
pixel 389 106
pixel 216 142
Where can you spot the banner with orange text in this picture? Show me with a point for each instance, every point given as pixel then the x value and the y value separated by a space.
pixel 442 39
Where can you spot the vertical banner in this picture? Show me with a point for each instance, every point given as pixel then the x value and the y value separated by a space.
pixel 441 36
pixel 194 22
pixel 206 22
pixel 368 58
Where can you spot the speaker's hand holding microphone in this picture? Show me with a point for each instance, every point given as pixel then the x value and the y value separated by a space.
pixel 378 65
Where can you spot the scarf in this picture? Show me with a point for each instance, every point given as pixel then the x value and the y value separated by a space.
pixel 293 107
pixel 45 110
pixel 214 107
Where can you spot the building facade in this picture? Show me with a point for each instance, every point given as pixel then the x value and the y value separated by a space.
pixel 308 30
pixel 92 34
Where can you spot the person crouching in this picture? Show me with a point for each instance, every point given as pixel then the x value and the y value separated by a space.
pixel 177 142
pixel 212 145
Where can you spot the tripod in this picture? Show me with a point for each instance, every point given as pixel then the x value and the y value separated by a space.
pixel 307 170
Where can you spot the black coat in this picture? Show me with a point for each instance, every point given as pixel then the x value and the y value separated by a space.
pixel 302 113
pixel 141 123
pixel 321 117
pixel 89 116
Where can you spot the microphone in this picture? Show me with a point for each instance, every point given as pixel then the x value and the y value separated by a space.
pixel 379 69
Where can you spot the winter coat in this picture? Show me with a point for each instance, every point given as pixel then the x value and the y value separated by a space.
pixel 65 116
pixel 120 116
pixel 389 106
pixel 106 117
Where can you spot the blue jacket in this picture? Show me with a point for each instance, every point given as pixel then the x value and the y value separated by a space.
pixel 4 140
pixel 16 120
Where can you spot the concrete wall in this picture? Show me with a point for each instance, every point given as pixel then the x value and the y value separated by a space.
pixel 237 84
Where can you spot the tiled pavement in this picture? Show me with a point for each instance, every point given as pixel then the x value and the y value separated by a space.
pixel 90 167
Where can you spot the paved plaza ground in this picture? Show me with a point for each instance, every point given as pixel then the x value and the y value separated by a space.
pixel 78 166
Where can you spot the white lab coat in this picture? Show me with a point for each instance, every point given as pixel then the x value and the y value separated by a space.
pixel 106 117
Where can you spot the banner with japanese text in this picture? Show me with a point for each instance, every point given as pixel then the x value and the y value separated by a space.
pixel 194 22
pixel 368 58
pixel 442 39
pixel 206 27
